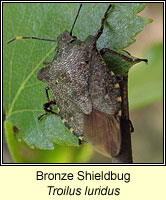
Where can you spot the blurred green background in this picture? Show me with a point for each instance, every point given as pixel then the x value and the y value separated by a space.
pixel 147 117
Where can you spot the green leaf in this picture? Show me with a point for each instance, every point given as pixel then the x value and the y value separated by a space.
pixel 123 26
pixel 117 64
pixel 21 153
pixel 23 94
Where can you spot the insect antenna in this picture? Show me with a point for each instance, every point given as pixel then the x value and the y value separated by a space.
pixel 75 19
pixel 30 37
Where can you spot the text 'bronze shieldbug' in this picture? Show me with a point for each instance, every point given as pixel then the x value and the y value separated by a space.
pixel 86 92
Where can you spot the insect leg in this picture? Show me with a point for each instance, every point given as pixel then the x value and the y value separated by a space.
pixel 46 91
pixel 100 31
pixel 48 106
pixel 137 60
pixel 131 126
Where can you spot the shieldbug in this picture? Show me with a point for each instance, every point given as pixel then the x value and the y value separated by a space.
pixel 86 92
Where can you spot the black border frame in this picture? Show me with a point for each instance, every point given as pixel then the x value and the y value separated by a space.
pixel 81 164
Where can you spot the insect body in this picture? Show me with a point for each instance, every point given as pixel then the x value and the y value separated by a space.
pixel 85 91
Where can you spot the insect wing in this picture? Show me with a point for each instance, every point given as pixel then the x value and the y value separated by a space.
pixel 103 132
